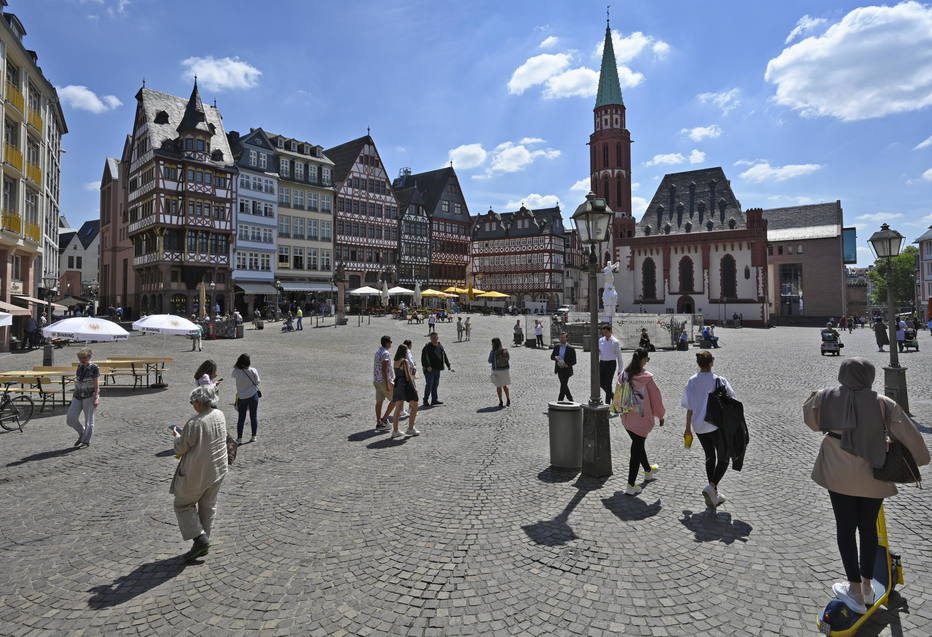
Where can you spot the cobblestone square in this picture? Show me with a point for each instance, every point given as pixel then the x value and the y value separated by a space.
pixel 325 528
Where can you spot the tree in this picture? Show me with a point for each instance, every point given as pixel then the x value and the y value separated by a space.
pixel 904 278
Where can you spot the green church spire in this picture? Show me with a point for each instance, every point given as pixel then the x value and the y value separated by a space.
pixel 609 86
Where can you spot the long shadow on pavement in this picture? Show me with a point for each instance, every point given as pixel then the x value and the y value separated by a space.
pixel 555 475
pixel 884 618
pixel 557 532
pixel 386 443
pixel 720 527
pixel 630 509
pixel 45 455
pixel 141 580
pixel 486 410
pixel 359 436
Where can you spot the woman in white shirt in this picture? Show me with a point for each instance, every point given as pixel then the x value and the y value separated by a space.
pixel 247 396
pixel 695 399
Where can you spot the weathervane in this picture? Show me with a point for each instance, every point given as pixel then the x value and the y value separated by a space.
pixel 608 15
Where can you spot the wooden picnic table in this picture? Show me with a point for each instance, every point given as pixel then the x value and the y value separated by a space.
pixel 153 365
pixel 65 377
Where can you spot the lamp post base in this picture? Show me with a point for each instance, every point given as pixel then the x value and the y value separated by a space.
pixel 894 385
pixel 47 356
pixel 597 446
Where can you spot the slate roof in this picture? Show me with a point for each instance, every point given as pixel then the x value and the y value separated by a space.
pixel 688 201
pixel 320 157
pixel 88 232
pixel 64 240
pixel 407 196
pixel 344 156
pixel 113 164
pixel 194 118
pixel 543 221
pixel 609 86
pixel 925 236
pixel 814 221
pixel 152 101
pixel 430 183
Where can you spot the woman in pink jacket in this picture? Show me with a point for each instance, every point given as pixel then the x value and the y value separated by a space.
pixel 639 422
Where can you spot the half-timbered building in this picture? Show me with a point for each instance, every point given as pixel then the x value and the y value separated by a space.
pixel 366 233
pixel 180 201
pixel 521 253
pixel 413 238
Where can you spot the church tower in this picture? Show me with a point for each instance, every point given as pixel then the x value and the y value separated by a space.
pixel 610 142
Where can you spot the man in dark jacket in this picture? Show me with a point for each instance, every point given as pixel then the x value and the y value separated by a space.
pixel 563 357
pixel 433 359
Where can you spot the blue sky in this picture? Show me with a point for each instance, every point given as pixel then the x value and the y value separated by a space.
pixel 799 102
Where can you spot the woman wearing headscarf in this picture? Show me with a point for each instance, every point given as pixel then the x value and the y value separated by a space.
pixel 854 419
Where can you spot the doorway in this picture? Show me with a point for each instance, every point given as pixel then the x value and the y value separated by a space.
pixel 685 305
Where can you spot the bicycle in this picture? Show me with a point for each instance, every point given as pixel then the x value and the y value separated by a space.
pixel 15 411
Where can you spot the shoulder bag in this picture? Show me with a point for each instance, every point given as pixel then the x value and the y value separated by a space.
pixel 899 465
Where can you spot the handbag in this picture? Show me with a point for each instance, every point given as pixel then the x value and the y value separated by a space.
pixel 899 465
pixel 721 409
pixel 255 384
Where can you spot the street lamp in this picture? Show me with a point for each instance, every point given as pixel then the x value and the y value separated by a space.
pixel 593 220
pixel 886 244
pixel 51 287
pixel 213 289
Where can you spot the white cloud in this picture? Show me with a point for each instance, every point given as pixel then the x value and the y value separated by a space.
pixel 749 162
pixel 726 100
pixel 83 98
pixel 632 45
pixel 536 70
pixel 696 156
pixel 924 144
pixel 927 175
pixel 581 82
pixel 765 172
pixel 531 140
pixel 220 74
pixel 668 158
pixel 796 200
pixel 92 185
pixel 583 186
pixel 699 133
pixel 879 217
pixel 467 156
pixel 864 254
pixel 509 157
pixel 635 186
pixel 872 63
pixel 638 205
pixel 803 25
pixel 549 42
pixel 534 201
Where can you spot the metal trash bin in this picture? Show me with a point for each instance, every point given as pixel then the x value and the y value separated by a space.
pixel 566 423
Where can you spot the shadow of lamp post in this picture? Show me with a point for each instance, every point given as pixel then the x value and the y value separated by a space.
pixel 886 244
pixel 593 220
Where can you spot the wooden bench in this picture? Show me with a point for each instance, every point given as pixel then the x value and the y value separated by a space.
pixel 112 369
pixel 39 386
pixel 154 364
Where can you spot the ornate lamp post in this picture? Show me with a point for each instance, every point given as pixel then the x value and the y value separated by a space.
pixel 51 289
pixel 213 290
pixel 886 244
pixel 593 224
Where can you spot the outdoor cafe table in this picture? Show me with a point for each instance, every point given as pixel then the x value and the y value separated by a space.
pixel 154 364
pixel 65 377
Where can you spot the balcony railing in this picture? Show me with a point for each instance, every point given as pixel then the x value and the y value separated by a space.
pixel 15 97
pixel 12 222
pixel 35 119
pixel 33 231
pixel 34 173
pixel 14 157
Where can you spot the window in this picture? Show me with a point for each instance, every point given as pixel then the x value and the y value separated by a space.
pixel 297 258
pixel 298 199
pixel 326 203
pixel 648 279
pixel 312 201
pixel 199 145
pixel 263 160
pixel 444 206
pixel 789 249
pixel 253 158
pixel 325 176
pixel 325 261
pixel 799 249
pixel 312 229
pixel 284 196
pixel 285 167
pixel 299 170
pixel 284 256
pixel 265 261
pixel 686 275
pixel 326 232
pixel 780 250
pixel 605 156
pixel 729 277
pixel 618 160
pixel 71 263
pixel 284 226
pixel 457 209
pixel 312 258
pixel 298 228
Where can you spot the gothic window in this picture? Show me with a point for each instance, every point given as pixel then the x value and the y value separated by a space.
pixel 729 277
pixel 618 160
pixel 648 279
pixel 747 272
pixel 605 156
pixel 605 190
pixel 618 198
pixel 161 117
pixel 686 275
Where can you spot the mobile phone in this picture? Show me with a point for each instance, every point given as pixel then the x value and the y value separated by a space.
pixel 218 380
pixel 174 429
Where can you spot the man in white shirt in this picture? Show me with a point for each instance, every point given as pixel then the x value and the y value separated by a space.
pixel 610 360
pixel 383 378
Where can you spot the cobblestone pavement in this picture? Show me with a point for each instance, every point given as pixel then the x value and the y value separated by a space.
pixel 327 529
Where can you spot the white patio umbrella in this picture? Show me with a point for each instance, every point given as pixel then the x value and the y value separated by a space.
pixel 398 290
pixel 166 324
pixel 417 293
pixel 6 319
pixel 85 328
pixel 364 291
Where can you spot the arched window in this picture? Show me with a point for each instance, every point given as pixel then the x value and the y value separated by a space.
pixel 686 275
pixel 618 197
pixel 605 156
pixel 618 159
pixel 648 279
pixel 729 277
pixel 605 189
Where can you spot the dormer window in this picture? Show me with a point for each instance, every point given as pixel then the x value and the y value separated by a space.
pixel 709 225
pixel 647 230
pixel 294 147
pixel 666 228
pixel 280 143
pixel 732 223
pixel 212 129
pixel 188 143
pixel 161 117
pixel 217 155
pixel 199 145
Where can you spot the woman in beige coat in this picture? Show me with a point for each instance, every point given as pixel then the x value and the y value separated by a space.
pixel 854 419
pixel 200 472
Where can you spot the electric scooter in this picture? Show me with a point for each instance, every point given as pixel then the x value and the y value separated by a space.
pixel 840 621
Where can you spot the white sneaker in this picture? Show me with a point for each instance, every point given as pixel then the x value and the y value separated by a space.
pixel 651 475
pixel 239 441
pixel 850 594
pixel 397 434
pixel 867 592
pixel 721 500
pixel 252 438
pixel 711 497
pixel 411 431
pixel 632 489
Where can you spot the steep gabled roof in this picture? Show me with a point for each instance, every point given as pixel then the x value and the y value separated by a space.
pixel 542 221
pixel 64 240
pixel 88 232
pixel 153 102
pixel 692 201
pixel 112 168
pixel 194 117
pixel 344 156
pixel 609 86
pixel 815 221
pixel 925 236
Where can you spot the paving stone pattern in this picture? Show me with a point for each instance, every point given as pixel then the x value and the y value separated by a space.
pixel 325 528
